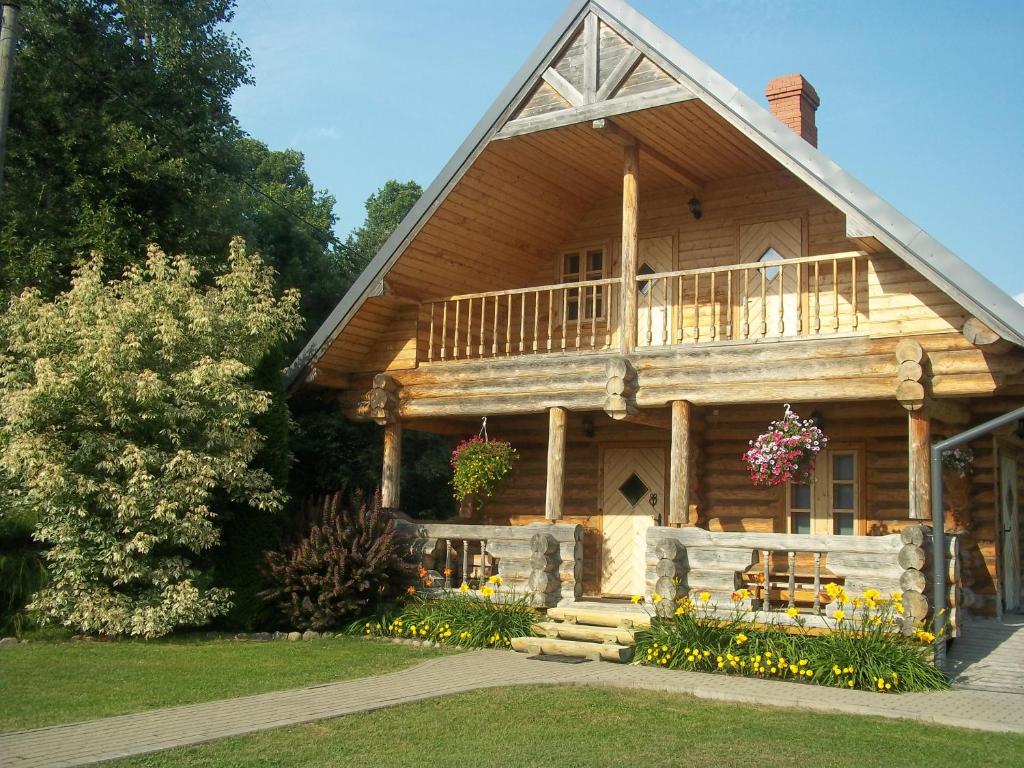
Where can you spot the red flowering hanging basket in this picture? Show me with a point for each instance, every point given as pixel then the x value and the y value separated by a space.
pixel 786 452
pixel 480 464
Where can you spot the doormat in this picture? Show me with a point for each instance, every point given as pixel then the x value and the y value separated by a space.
pixel 558 659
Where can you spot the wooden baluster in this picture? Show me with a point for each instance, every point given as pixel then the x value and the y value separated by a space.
pixel 430 344
pixel 593 317
pixel 650 312
pixel 792 579
pixel 728 305
pixel 853 291
pixel 817 298
pixel 766 598
pixel 522 323
pixel 781 300
pixel 465 561
pixel 469 329
pixel 799 300
pixel 696 309
pixel 444 328
pixel 455 335
pixel 483 325
pixel 609 313
pixel 817 582
pixel 714 310
pixel 485 567
pixel 680 331
pixel 835 294
pixel 447 563
pixel 666 312
pixel 745 323
pixel 565 314
pixel 494 329
pixel 551 314
pixel 764 302
pixel 581 305
pixel 508 327
pixel 536 320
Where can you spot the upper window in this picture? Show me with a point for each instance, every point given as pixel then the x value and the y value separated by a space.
pixel 579 266
pixel 830 504
pixel 770 255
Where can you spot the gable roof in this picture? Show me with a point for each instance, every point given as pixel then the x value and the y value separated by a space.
pixel 867 214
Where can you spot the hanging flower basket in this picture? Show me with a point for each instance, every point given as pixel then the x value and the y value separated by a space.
pixel 959 461
pixel 480 464
pixel 786 452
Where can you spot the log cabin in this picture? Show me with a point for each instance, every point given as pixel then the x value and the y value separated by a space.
pixel 629 267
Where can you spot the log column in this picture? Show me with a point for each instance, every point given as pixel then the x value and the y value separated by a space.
pixel 390 484
pixel 919 443
pixel 556 464
pixel 630 245
pixel 679 463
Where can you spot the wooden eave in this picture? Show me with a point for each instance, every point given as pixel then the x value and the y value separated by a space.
pixel 515 192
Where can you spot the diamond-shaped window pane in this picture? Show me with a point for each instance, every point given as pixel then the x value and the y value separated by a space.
pixel 645 285
pixel 633 489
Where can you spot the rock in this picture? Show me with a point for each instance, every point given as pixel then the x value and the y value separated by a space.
pixel 293 636
pixel 327 635
pixel 241 636
pixel 9 641
pixel 213 636
pixel 309 634
pixel 261 637
pixel 280 635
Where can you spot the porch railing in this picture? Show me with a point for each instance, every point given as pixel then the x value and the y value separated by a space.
pixel 523 321
pixel 808 296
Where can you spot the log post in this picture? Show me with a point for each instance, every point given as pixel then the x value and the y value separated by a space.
pixel 391 474
pixel 679 464
pixel 556 464
pixel 919 475
pixel 630 246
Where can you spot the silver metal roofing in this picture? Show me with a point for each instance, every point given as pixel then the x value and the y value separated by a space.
pixel 867 213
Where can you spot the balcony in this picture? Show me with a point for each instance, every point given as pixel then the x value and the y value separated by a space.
pixel 780 300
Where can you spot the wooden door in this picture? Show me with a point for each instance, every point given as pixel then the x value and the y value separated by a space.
pixel 1009 495
pixel 653 303
pixel 772 294
pixel 634 492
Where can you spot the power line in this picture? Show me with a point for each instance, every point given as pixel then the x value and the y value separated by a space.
pixel 213 162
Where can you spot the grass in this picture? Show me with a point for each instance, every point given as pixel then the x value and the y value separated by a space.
pixel 45 683
pixel 592 728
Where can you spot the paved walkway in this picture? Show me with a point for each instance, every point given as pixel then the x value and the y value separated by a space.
pixel 125 735
pixel 990 655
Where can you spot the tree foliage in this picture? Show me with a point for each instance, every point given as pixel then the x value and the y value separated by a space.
pixel 125 409
pixel 346 563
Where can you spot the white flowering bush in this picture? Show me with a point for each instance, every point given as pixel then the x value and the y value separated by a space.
pixel 124 409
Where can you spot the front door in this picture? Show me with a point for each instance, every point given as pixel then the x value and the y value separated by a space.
pixel 1009 495
pixel 634 493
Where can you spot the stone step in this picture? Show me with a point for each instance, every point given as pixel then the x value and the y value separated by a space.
pixel 551 646
pixel 587 632
pixel 600 618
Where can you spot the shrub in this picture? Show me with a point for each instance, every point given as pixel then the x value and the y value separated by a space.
pixel 347 563
pixel 126 413
pixel 862 651
pixel 22 572
pixel 461 617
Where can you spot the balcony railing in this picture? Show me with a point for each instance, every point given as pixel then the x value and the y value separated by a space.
pixel 566 317
pixel 808 296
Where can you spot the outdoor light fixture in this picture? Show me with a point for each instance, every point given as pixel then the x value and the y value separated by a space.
pixel 588 426
pixel 695 207
pixel 818 419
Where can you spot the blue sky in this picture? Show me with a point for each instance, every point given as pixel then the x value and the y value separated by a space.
pixel 920 100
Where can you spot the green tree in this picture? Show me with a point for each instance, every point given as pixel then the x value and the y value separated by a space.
pixel 125 409
pixel 385 210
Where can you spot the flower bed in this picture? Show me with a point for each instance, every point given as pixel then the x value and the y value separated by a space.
pixel 861 651
pixel 462 617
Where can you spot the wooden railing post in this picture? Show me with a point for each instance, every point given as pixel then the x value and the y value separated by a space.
pixel 390 484
pixel 556 464
pixel 630 246
pixel 919 444
pixel 679 480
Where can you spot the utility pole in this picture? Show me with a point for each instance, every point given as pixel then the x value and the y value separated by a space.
pixel 8 42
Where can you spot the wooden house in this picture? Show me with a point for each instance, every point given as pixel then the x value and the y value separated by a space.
pixel 628 267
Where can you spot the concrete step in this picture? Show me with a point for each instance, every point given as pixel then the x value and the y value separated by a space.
pixel 551 646
pixel 586 632
pixel 601 618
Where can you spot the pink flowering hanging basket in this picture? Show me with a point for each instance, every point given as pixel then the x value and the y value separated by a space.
pixel 786 452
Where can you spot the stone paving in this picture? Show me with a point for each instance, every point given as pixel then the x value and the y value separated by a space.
pixel 990 655
pixel 125 735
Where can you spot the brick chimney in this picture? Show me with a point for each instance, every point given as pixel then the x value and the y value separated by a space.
pixel 794 101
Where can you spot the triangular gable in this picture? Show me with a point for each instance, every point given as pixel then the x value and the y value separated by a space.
pixel 564 81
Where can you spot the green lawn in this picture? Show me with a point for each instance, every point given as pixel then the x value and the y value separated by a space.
pixel 44 683
pixel 591 728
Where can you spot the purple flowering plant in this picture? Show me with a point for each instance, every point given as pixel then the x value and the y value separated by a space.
pixel 786 452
